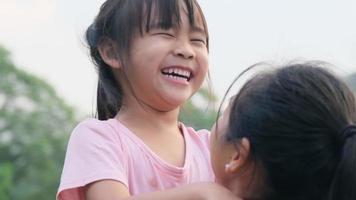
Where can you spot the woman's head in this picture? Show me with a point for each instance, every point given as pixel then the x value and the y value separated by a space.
pixel 287 125
pixel 113 35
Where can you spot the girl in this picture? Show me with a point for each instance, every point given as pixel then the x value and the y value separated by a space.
pixel 288 134
pixel 151 56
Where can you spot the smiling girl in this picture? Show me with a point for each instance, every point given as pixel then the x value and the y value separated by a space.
pixel 151 57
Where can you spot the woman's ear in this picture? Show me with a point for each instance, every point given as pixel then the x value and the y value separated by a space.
pixel 108 52
pixel 239 158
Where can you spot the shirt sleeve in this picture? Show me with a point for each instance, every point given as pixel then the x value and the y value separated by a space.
pixel 94 153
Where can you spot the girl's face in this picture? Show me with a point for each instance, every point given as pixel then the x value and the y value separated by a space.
pixel 166 67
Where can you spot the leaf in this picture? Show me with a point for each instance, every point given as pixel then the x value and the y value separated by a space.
pixel 34 127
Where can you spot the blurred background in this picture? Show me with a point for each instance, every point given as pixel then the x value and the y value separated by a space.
pixel 47 83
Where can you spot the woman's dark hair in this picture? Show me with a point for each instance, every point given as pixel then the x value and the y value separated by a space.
pixel 119 21
pixel 295 119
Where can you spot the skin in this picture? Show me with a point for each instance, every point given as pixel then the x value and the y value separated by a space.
pixel 221 152
pixel 183 47
pixel 232 163
pixel 156 100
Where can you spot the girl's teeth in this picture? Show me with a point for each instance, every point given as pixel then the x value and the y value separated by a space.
pixel 169 72
pixel 177 77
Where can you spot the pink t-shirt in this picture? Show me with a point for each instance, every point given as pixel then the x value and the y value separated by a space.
pixel 100 150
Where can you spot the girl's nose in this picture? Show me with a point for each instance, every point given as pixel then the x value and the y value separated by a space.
pixel 184 50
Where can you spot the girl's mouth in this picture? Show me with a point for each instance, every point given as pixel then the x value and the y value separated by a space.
pixel 177 73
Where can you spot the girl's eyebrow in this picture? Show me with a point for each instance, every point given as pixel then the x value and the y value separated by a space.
pixel 156 25
pixel 193 28
pixel 197 29
pixel 160 25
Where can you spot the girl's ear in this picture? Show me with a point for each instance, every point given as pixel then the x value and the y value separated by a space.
pixel 108 52
pixel 239 158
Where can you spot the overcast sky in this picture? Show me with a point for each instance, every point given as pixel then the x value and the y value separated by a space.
pixel 45 37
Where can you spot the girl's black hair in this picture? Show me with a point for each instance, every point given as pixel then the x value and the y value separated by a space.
pixel 119 21
pixel 294 118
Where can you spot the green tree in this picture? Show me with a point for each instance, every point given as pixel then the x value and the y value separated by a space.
pixel 200 111
pixel 34 125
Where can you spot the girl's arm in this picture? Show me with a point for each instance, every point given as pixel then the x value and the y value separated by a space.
pixel 113 190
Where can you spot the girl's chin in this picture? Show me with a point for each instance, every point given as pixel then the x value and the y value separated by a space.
pixel 175 102
pixel 168 108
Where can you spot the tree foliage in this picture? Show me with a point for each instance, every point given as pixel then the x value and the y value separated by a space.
pixel 200 111
pixel 34 125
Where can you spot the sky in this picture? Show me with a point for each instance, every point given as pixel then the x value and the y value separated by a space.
pixel 45 37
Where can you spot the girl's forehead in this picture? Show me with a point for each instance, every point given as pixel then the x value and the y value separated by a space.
pixel 168 15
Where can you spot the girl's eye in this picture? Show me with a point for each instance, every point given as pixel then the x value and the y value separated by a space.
pixel 165 34
pixel 198 40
